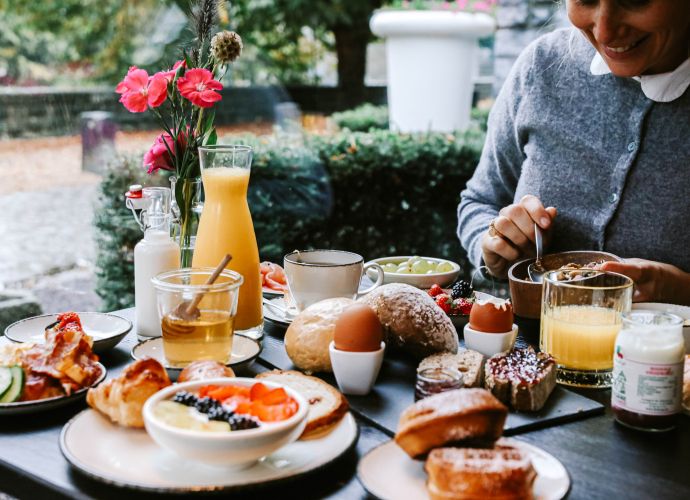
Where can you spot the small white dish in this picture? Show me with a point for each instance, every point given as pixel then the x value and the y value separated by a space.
pixel 489 344
pixel 356 372
pixel 129 458
pixel 682 311
pixel 388 472
pixel 244 352
pixel 277 314
pixel 423 281
pixel 239 449
pixel 107 330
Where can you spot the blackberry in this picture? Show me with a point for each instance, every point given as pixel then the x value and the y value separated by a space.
pixel 241 422
pixel 204 405
pixel 185 398
pixel 219 413
pixel 461 289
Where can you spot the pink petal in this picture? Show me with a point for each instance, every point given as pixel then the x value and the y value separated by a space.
pixel 135 102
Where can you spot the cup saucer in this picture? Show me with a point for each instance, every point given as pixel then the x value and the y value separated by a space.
pixel 244 352
pixel 278 313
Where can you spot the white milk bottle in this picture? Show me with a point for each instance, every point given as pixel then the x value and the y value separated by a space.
pixel 154 254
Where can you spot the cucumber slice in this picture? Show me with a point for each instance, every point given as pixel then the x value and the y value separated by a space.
pixel 15 390
pixel 5 379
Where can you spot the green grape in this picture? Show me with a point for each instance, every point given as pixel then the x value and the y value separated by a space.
pixel 444 267
pixel 403 269
pixel 390 268
pixel 420 267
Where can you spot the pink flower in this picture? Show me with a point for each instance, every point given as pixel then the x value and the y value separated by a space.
pixel 198 86
pixel 158 157
pixel 139 91
pixel 170 74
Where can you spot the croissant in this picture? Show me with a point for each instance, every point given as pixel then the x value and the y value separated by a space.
pixel 121 399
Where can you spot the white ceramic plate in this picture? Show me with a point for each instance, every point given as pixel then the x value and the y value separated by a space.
pixel 424 281
pixel 244 352
pixel 107 330
pixel 387 472
pixel 682 311
pixel 129 458
pixel 275 314
pixel 22 407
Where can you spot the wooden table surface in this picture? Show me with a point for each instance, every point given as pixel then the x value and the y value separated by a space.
pixel 604 459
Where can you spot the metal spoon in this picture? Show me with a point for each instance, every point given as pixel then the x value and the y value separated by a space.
pixel 536 270
pixel 287 312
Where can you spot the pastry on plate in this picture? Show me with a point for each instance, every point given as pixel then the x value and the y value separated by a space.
pixel 326 404
pixel 121 399
pixel 470 417
pixel 521 378
pixel 468 362
pixel 503 472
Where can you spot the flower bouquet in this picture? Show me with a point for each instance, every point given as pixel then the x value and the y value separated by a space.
pixel 182 99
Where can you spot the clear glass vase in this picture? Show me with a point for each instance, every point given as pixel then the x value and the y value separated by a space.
pixel 186 207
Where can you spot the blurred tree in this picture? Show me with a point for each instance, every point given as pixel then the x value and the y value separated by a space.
pixel 276 25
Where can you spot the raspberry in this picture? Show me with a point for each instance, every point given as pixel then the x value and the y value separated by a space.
pixel 444 302
pixel 435 290
pixel 464 305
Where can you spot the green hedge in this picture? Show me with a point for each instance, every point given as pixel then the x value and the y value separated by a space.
pixel 377 193
pixel 362 118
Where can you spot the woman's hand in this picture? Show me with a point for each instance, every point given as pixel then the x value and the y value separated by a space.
pixel 512 234
pixel 654 281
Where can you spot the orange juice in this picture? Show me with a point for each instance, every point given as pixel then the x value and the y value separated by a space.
pixel 580 337
pixel 226 227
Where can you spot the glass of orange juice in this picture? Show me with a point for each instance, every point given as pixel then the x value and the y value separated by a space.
pixel 197 331
pixel 581 316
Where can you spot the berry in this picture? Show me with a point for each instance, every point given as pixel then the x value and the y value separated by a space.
pixel 241 422
pixel 185 398
pixel 461 289
pixel 219 413
pixel 435 290
pixel 463 306
pixel 444 302
pixel 204 405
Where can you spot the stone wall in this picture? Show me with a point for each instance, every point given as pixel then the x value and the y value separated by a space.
pixel 27 112
pixel 519 23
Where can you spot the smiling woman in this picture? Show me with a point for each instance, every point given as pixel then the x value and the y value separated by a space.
pixel 635 37
pixel 588 139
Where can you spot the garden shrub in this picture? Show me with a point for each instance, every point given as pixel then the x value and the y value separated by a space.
pixel 362 118
pixel 376 193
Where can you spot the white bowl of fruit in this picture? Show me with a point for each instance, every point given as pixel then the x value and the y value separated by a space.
pixel 225 421
pixel 421 272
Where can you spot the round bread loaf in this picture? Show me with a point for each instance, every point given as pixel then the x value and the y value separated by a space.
pixel 411 320
pixel 308 336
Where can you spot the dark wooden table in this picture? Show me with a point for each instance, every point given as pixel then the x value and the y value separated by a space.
pixel 604 459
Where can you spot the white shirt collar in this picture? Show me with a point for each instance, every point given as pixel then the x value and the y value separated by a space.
pixel 664 87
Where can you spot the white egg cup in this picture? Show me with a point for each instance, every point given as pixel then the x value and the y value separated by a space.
pixel 356 372
pixel 489 344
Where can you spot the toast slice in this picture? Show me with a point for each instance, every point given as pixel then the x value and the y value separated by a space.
pixel 326 404
pixel 521 378
pixel 469 363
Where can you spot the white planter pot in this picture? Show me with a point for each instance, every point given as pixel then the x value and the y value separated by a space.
pixel 431 58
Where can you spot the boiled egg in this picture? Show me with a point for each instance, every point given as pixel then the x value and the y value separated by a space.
pixel 490 314
pixel 358 329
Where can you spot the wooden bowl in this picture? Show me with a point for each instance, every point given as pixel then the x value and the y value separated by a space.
pixel 526 295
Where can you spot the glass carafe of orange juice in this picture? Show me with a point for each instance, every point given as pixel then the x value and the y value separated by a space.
pixel 226 228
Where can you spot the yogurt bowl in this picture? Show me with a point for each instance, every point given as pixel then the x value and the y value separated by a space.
pixel 231 448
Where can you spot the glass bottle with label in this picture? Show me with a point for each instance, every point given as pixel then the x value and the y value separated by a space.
pixel 648 370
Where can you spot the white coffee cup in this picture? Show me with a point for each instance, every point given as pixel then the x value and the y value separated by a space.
pixel 316 275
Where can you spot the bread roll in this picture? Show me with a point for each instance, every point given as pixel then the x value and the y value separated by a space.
pixel 412 320
pixel 202 370
pixel 503 472
pixel 461 416
pixel 308 336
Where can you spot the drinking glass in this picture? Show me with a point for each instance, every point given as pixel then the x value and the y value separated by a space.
pixel 579 323
pixel 205 332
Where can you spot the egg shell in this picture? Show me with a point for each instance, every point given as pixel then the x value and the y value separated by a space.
pixel 358 329
pixel 491 316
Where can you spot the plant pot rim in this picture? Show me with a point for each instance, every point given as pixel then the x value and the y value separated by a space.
pixel 391 23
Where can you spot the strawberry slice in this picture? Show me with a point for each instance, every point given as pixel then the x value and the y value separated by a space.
pixel 228 391
pixel 275 397
pixel 257 391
